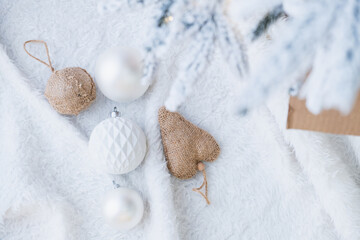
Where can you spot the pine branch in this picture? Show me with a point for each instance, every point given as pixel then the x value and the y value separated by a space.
pixel 231 45
pixel 161 36
pixel 269 19
pixel 290 56
pixel 110 6
pixel 149 65
pixel 186 21
pixel 334 81
pixel 197 58
pixel 243 9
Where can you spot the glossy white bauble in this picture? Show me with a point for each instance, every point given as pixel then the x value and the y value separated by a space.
pixel 118 144
pixel 122 208
pixel 118 75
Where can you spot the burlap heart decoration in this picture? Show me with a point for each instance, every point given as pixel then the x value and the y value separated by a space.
pixel 186 146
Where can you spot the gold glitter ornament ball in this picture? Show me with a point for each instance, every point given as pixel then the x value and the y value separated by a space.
pixel 70 90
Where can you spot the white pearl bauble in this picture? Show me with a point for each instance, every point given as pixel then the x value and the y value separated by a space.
pixel 118 74
pixel 123 208
pixel 118 145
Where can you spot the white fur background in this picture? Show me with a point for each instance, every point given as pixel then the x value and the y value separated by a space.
pixel 268 183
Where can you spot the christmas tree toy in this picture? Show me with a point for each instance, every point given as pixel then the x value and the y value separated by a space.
pixel 186 147
pixel 69 90
pixel 119 145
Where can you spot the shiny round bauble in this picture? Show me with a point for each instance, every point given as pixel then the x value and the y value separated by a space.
pixel 118 75
pixel 118 144
pixel 122 208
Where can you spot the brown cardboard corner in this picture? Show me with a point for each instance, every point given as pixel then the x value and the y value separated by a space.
pixel 328 121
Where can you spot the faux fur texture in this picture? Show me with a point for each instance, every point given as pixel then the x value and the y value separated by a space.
pixel 268 183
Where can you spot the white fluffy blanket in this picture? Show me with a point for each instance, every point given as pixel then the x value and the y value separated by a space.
pixel 268 183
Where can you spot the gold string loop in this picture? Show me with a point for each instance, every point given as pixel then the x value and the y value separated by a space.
pixel 47 53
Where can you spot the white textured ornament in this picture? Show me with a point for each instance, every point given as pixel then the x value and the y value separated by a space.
pixel 118 144
pixel 118 75
pixel 123 208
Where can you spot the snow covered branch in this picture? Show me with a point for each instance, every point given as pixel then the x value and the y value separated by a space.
pixel 200 22
pixel 205 23
pixel 335 78
pixel 194 64
pixel 320 35
pixel 231 45
pixel 268 20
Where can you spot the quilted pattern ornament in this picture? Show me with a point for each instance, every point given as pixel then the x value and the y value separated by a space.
pixel 118 143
